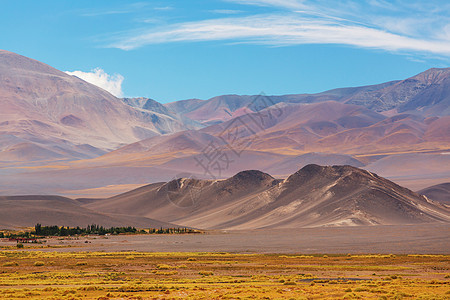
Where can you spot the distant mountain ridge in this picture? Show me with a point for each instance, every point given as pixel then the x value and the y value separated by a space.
pixel 427 93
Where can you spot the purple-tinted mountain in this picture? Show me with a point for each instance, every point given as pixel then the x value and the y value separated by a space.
pixel 47 114
pixel 427 94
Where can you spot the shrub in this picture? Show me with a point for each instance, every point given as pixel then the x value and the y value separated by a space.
pixel 88 288
pixel 10 264
pixel 165 267
pixel 167 273
pixel 67 292
pixel 19 245
pixel 206 273
pixel 39 263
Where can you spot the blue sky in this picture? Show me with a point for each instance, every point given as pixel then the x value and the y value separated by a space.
pixel 177 49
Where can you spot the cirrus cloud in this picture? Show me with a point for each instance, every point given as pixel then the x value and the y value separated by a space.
pixel 408 27
pixel 284 30
pixel 98 77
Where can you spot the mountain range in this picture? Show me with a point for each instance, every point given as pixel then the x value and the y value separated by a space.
pixel 62 135
pixel 314 196
pixel 427 94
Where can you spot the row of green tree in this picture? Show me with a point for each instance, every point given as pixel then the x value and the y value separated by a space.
pixel 54 230
pixel 40 231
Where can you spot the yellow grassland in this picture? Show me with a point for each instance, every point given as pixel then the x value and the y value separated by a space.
pixel 137 275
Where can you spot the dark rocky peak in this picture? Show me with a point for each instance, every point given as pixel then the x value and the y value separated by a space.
pixel 313 171
pixel 252 175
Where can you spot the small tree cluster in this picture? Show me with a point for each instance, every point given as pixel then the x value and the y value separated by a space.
pixel 54 230
pixel 171 230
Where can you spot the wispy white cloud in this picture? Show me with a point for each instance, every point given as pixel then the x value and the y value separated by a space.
pixel 163 8
pixel 283 30
pixel 154 20
pixel 414 18
pixel 398 25
pixel 98 77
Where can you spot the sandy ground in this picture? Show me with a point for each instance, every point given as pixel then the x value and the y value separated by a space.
pixel 423 239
